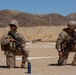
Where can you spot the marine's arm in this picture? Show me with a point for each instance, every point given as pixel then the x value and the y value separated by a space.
pixel 60 39
pixel 5 40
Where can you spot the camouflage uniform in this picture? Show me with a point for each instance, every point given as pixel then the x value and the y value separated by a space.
pixel 11 50
pixel 61 44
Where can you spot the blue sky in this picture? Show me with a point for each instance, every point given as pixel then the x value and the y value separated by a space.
pixel 63 7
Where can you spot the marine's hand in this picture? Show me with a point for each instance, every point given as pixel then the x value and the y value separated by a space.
pixel 12 40
pixel 60 54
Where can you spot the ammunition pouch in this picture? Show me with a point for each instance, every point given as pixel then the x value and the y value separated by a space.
pixel 4 47
pixel 18 52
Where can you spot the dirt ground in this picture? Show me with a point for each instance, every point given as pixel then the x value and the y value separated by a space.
pixel 43 57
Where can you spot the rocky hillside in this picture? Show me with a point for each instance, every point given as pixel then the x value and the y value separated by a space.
pixel 29 20
pixel 72 16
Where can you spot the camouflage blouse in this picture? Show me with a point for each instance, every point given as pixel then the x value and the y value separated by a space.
pixel 7 45
pixel 65 37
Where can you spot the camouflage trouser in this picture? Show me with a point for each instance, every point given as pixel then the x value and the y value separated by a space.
pixel 10 59
pixel 24 58
pixel 63 60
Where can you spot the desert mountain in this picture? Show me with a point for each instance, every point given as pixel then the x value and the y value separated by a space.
pixel 27 19
pixel 72 16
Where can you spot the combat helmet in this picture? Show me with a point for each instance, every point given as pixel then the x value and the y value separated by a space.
pixel 72 25
pixel 14 22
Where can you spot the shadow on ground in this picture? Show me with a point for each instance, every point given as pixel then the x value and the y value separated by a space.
pixel 58 64
pixel 7 67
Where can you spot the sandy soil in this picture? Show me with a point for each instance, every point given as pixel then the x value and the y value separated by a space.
pixel 43 57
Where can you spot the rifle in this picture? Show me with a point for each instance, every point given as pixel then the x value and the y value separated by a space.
pixel 11 33
pixel 70 44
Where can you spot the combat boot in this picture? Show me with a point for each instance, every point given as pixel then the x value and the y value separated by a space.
pixel 23 65
pixel 74 60
pixel 74 63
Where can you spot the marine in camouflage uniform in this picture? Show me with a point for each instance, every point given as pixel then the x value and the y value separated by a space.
pixel 10 48
pixel 64 37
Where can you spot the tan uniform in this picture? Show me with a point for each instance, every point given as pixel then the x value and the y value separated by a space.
pixel 61 43
pixel 11 49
